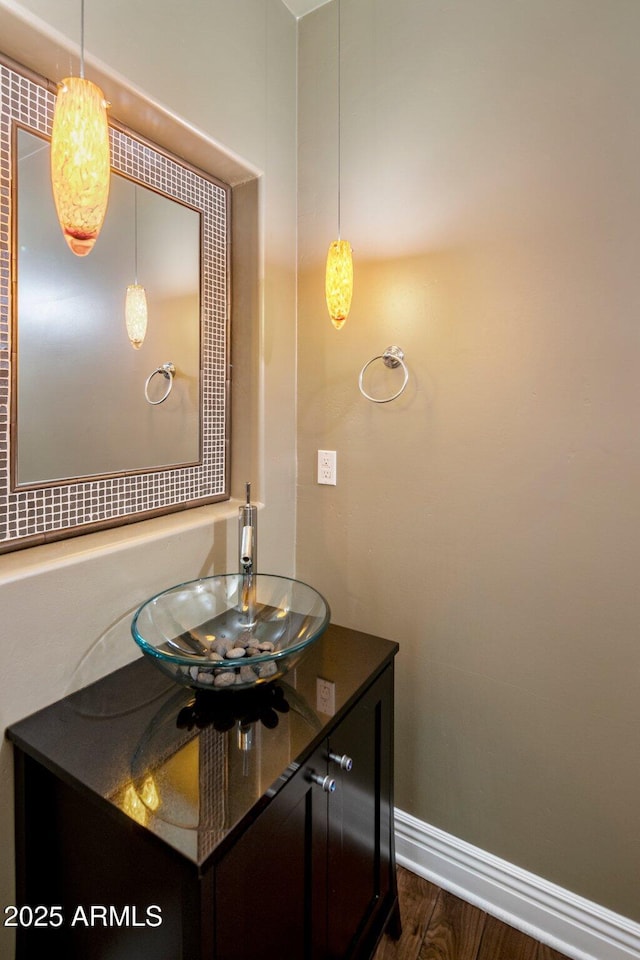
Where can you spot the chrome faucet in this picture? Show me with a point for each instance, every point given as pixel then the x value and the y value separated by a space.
pixel 248 534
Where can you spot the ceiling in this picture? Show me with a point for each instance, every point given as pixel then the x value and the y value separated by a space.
pixel 299 7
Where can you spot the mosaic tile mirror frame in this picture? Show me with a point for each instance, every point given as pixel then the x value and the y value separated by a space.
pixel 35 513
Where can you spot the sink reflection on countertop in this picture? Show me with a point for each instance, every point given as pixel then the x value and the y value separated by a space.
pixel 203 757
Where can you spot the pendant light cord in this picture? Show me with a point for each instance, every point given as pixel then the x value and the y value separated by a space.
pixel 339 115
pixel 82 39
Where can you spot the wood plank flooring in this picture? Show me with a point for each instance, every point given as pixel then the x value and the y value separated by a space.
pixel 438 926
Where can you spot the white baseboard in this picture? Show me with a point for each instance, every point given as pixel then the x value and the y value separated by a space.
pixel 576 927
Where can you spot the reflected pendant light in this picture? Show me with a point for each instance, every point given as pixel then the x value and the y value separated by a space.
pixel 80 161
pixel 136 314
pixel 339 268
pixel 135 310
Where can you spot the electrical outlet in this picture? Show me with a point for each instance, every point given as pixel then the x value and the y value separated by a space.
pixel 327 466
pixel 325 696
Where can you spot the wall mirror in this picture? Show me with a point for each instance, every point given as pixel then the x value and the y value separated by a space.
pixel 86 439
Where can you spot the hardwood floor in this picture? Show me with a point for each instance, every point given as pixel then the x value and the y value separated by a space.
pixel 438 926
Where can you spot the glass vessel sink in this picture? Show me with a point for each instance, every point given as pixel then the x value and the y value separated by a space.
pixel 232 631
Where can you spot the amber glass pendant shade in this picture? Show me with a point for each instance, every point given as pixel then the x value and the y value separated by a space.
pixel 339 282
pixel 135 313
pixel 80 162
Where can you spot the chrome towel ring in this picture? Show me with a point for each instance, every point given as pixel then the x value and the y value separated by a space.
pixel 168 370
pixel 392 357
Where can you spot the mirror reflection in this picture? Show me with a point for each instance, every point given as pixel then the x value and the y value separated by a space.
pixel 80 408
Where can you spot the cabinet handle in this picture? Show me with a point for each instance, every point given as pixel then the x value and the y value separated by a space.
pixel 343 761
pixel 327 783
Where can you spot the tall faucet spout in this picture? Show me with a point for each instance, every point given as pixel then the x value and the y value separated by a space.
pixel 248 534
pixel 246 548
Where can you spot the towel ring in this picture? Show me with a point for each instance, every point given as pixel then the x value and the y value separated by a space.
pixel 168 370
pixel 392 357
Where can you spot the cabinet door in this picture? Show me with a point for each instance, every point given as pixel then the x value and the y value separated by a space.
pixel 103 873
pixel 360 851
pixel 270 889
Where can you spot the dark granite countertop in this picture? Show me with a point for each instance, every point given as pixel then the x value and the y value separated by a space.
pixel 190 767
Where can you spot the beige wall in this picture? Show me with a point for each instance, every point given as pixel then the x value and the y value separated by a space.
pixel 488 519
pixel 196 78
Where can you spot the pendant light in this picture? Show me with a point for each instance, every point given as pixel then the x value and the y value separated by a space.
pixel 339 268
pixel 135 310
pixel 80 161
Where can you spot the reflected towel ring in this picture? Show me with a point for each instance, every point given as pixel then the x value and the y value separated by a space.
pixel 168 370
pixel 392 357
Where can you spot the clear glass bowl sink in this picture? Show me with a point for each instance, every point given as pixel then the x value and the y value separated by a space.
pixel 232 631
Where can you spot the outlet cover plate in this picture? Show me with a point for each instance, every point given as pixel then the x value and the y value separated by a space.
pixel 325 696
pixel 327 466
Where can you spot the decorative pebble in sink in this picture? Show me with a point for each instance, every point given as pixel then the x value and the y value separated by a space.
pixel 230 631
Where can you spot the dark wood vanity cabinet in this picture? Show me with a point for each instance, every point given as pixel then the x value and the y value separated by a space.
pixel 290 855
